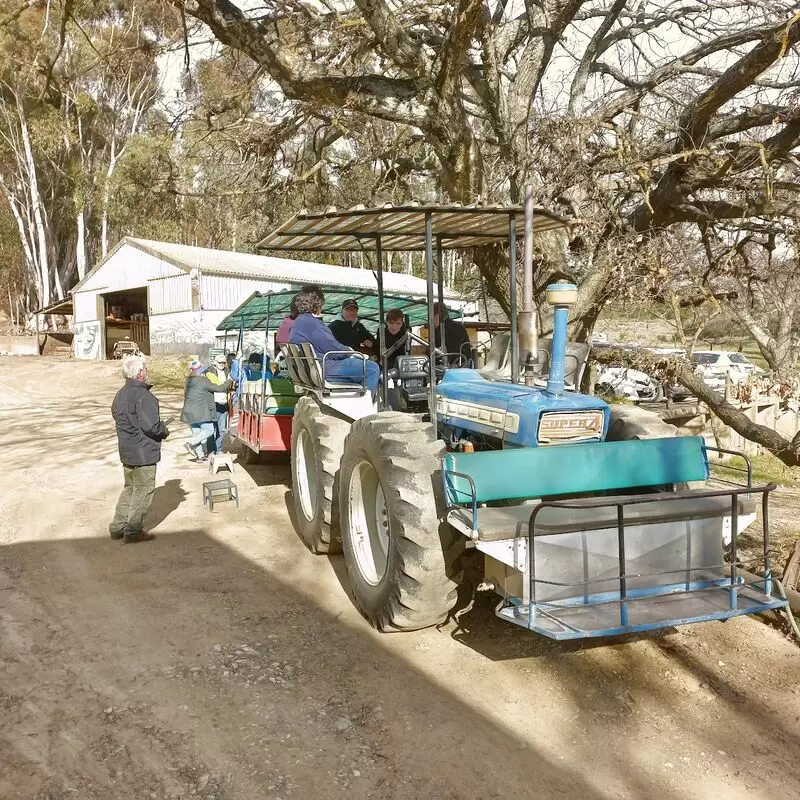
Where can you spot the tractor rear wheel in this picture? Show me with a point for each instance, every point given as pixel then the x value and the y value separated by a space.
pixel 396 547
pixel 317 444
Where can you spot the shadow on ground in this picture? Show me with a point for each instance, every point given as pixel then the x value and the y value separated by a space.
pixel 164 662
pixel 166 499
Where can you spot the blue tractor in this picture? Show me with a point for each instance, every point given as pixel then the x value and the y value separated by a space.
pixel 585 519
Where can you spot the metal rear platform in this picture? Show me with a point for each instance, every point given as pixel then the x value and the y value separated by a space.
pixel 650 582
pixel 602 615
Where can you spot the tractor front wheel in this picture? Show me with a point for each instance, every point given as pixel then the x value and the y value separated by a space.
pixel 395 545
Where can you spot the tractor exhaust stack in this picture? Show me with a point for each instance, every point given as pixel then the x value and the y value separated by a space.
pixel 562 297
pixel 527 322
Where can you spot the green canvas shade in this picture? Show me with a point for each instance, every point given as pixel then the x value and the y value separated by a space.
pixel 268 309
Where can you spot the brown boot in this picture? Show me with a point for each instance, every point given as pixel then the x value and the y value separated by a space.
pixel 139 537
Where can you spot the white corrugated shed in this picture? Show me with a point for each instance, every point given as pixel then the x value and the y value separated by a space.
pixel 129 272
pixel 190 289
pixel 166 295
pixel 85 306
pixel 224 293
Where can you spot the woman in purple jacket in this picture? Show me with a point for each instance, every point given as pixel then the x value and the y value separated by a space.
pixel 308 328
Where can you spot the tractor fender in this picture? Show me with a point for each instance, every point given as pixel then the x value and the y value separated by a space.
pixel 634 422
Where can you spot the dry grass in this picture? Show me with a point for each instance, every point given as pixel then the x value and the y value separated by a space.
pixel 168 372
pixel 766 469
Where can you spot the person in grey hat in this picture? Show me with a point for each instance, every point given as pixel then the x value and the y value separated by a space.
pixel 200 411
pixel 350 332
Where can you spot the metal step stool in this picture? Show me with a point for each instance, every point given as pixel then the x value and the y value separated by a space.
pixel 220 491
pixel 217 460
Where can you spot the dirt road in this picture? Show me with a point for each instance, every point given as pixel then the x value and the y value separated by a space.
pixel 225 661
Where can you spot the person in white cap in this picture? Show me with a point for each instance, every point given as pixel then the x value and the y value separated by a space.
pixel 200 411
pixel 218 373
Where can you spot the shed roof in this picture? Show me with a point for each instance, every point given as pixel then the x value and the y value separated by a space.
pixel 403 227
pixel 267 268
pixel 61 307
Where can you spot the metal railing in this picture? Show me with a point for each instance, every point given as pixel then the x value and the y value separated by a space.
pixel 731 583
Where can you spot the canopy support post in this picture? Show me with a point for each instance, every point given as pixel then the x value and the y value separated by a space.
pixel 381 322
pixel 431 327
pixel 264 369
pixel 440 288
pixel 512 285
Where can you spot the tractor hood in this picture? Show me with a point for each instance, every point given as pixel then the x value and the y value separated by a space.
pixel 522 416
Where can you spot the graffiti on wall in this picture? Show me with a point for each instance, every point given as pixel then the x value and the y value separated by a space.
pixel 87 339
pixel 180 331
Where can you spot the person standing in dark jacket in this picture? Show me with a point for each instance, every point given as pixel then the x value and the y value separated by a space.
pixel 200 411
pixel 140 432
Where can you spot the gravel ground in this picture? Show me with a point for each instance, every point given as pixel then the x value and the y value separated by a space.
pixel 224 661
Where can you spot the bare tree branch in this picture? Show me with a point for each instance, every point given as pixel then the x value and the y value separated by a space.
pixel 788 451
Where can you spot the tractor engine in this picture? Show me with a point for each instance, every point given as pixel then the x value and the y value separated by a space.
pixel 478 413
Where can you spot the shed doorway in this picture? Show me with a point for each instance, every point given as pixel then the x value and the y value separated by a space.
pixel 126 318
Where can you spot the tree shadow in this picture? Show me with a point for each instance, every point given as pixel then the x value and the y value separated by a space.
pixel 367 712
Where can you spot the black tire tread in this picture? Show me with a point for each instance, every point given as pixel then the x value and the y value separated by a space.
pixel 422 593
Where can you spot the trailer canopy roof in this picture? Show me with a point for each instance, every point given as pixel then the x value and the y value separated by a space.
pixel 403 227
pixel 267 310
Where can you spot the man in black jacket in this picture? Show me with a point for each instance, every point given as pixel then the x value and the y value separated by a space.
pixel 457 346
pixel 350 332
pixel 140 432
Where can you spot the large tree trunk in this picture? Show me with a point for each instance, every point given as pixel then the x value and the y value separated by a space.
pixel 80 245
pixel 112 164
pixel 38 210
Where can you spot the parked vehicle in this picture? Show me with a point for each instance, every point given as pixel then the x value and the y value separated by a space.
pixel 629 383
pixel 621 381
pixel 125 347
pixel 717 364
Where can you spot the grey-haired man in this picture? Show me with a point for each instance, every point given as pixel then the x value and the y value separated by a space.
pixel 140 431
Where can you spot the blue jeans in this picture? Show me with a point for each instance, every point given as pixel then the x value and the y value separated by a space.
pixel 351 370
pixel 223 423
pixel 203 438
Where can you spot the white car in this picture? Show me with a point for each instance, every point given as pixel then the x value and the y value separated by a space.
pixel 715 365
pixel 631 383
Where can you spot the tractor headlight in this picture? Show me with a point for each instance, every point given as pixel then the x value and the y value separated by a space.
pixel 557 427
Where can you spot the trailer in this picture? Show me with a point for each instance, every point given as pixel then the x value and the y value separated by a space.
pixel 262 410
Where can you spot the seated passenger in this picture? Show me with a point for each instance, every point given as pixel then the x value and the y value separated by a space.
pixel 457 345
pixel 282 336
pixel 254 369
pixel 350 332
pixel 309 328
pixel 394 335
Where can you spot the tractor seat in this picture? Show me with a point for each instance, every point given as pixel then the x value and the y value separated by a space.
pixel 498 361
pixel 306 370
